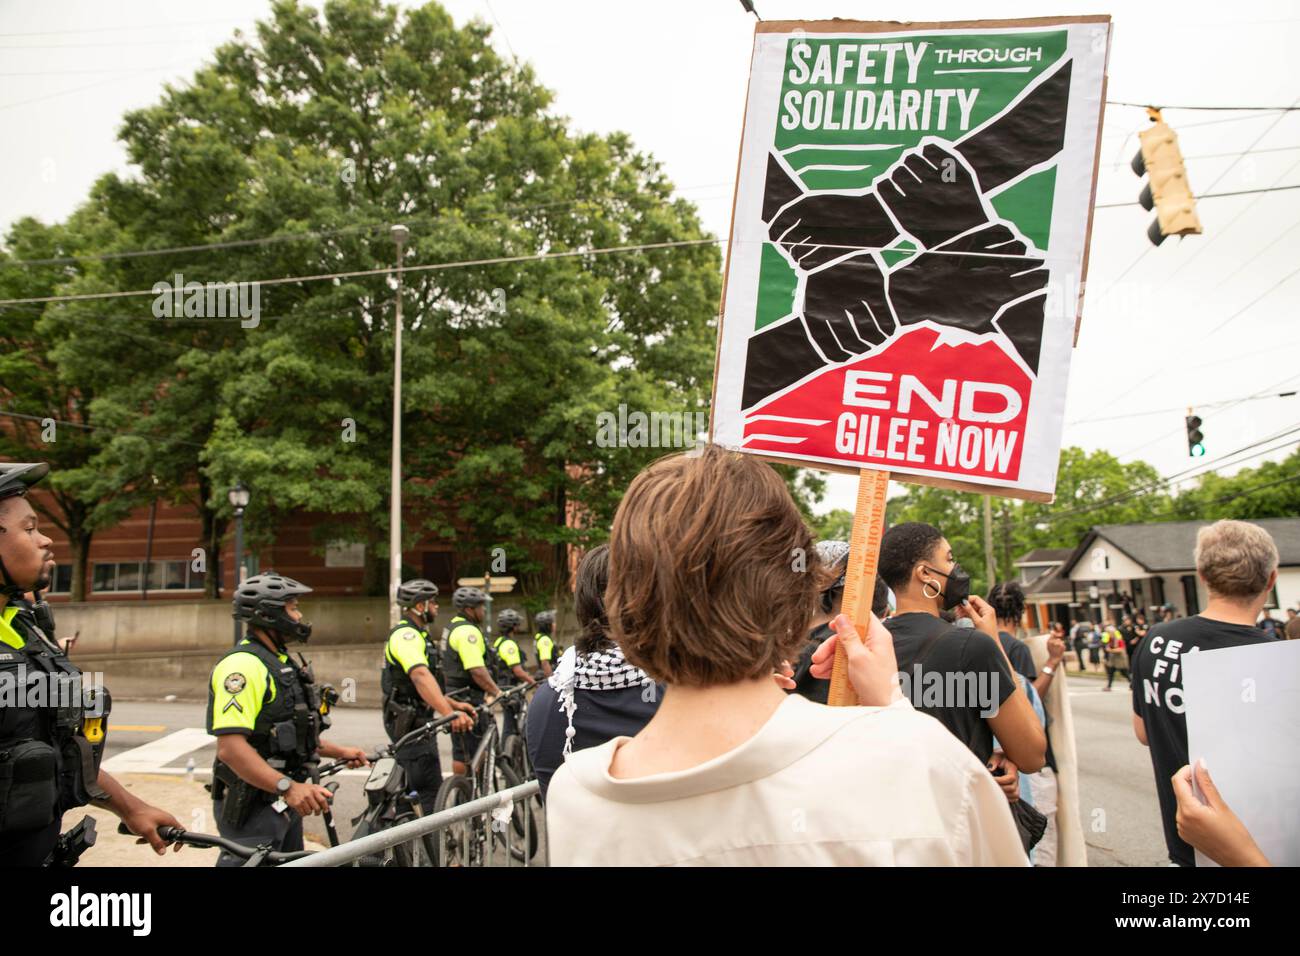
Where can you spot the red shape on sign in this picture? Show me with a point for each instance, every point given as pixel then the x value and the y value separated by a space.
pixel 956 410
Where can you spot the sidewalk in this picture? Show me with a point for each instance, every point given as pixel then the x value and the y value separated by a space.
pixel 183 798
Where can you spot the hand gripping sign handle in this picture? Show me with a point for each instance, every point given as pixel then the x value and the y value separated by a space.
pixel 860 576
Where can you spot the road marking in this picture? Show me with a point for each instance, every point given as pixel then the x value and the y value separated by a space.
pixel 155 755
pixel 139 728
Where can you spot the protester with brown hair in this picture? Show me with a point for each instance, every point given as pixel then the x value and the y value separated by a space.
pixel 707 594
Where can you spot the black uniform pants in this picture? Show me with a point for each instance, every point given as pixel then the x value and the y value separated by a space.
pixel 264 825
pixel 423 768
pixel 464 745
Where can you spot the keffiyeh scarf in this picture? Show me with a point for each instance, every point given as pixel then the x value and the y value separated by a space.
pixel 599 670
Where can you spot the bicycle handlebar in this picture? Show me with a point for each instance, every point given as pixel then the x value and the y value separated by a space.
pixel 505 695
pixel 213 841
pixel 424 730
pixel 241 850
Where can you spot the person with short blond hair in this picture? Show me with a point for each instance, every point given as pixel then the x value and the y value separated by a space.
pixel 712 584
pixel 1237 561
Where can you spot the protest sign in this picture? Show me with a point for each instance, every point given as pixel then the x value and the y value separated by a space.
pixel 1243 719
pixel 908 247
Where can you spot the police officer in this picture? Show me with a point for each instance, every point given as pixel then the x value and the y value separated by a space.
pixel 265 711
pixel 412 694
pixel 51 742
pixel 465 665
pixel 548 652
pixel 507 664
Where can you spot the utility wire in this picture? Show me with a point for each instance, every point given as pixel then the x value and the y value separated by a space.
pixel 318 233
pixel 100 428
pixel 1218 412
pixel 387 270
pixel 1181 476
pixel 1176 408
pixel 1239 192
pixel 1271 109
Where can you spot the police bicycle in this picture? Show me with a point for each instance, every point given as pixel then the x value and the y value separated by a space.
pixel 390 802
pixel 389 805
pixel 512 748
pixel 471 842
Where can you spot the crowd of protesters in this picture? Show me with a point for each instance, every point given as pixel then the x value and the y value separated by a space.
pixel 688 725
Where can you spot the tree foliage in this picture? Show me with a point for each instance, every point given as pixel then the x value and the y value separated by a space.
pixel 323 131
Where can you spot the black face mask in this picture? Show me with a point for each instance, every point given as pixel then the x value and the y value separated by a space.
pixel 957 588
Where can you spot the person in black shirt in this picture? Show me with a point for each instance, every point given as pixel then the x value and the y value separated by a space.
pixel 960 676
pixel 1079 637
pixel 1238 563
pixel 1008 602
pixel 1140 629
pixel 608 696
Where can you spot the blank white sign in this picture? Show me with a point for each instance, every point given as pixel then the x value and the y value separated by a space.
pixel 1243 719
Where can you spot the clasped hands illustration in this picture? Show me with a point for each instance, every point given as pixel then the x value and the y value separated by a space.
pixel 969 266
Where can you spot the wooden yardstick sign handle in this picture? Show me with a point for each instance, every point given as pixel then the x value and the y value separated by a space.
pixel 860 576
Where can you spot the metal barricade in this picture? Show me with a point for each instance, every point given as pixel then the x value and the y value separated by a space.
pixel 490 807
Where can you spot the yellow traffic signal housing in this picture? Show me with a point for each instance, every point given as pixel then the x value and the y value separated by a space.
pixel 1167 190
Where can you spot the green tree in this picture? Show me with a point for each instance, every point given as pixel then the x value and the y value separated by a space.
pixel 1092 488
pixel 1270 491
pixel 835 525
pixel 322 132
pixel 45 417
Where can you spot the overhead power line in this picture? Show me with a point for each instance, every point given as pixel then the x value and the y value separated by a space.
pixel 372 225
pixel 386 270
pixel 1185 474
pixel 1239 109
pixel 98 428
pixel 1238 192
pixel 1177 408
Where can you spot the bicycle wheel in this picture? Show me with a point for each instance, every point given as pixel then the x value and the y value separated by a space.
pixel 452 844
pixel 506 777
pixel 366 825
pixel 512 751
pixel 421 852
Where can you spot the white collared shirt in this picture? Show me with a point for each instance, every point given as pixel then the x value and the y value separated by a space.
pixel 817 785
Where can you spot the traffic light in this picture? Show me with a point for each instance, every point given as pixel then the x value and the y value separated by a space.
pixel 1195 440
pixel 1166 191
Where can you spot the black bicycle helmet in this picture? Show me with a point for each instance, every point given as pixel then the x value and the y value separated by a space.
pixel 260 602
pixel 17 476
pixel 509 620
pixel 468 597
pixel 415 591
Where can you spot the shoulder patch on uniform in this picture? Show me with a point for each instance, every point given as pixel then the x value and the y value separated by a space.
pixel 235 682
pixel 472 637
pixel 409 636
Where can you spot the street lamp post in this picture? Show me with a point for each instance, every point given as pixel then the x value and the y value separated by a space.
pixel 238 497
pixel 400 234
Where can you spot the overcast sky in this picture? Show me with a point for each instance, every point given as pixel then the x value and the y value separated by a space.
pixel 673 75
